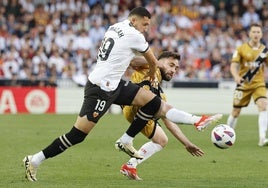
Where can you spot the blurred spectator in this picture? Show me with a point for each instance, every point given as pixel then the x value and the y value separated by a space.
pixel 69 69
pixel 41 16
pixel 14 7
pixel 1 66
pixel 250 16
pixel 167 28
pixel 11 66
pixel 206 9
pixel 56 63
pixel 183 21
pixel 38 58
pixel 221 12
pixel 202 63
pixel 96 33
pixel 26 70
pixel 27 6
pixel 203 69
pixel 83 41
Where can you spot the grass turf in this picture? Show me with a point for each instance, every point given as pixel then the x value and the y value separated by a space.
pixel 95 162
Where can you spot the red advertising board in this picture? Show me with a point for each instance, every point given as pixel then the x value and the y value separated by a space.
pixel 34 100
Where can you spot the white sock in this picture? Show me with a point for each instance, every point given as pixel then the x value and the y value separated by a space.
pixel 232 121
pixel 126 139
pixel 263 122
pixel 178 116
pixel 37 158
pixel 147 150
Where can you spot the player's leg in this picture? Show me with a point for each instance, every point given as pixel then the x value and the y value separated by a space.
pixel 92 110
pixel 240 99
pixel 152 106
pixel 59 145
pixel 261 103
pixel 168 111
pixel 179 116
pixel 149 103
pixel 233 117
pixel 133 94
pixel 128 95
pixel 158 141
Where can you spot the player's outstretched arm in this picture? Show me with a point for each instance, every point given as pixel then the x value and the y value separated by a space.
pixel 177 133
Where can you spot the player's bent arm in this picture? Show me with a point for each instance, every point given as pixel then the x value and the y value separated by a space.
pixel 138 63
pixel 234 69
pixel 179 135
pixel 152 61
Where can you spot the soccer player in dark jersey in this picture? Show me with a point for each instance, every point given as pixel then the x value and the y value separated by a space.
pixel 247 69
pixel 168 65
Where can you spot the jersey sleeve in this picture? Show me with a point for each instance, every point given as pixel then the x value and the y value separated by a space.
pixel 236 56
pixel 137 42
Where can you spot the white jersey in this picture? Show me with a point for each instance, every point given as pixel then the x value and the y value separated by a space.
pixel 120 44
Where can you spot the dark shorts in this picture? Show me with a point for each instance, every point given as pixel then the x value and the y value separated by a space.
pixel 97 101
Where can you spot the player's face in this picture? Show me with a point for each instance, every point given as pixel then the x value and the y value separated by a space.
pixel 255 34
pixel 141 23
pixel 169 68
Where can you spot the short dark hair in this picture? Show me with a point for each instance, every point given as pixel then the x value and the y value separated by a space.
pixel 140 11
pixel 255 25
pixel 168 54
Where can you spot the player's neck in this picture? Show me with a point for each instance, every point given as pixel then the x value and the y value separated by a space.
pixel 253 44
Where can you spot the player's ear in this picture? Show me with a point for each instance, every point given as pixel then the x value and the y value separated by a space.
pixel 133 19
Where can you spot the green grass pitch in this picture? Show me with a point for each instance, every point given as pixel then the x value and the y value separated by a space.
pixel 95 163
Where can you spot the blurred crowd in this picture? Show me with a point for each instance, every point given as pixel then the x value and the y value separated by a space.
pixel 42 41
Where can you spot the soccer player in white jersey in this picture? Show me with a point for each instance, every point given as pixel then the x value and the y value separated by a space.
pixel 121 43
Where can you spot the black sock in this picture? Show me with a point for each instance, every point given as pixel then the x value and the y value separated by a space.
pixel 63 142
pixel 136 126
pixel 143 115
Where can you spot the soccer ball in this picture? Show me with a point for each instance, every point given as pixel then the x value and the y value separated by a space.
pixel 223 136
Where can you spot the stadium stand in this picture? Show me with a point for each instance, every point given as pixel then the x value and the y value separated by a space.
pixel 55 42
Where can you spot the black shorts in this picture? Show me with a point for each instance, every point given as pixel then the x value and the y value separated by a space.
pixel 97 101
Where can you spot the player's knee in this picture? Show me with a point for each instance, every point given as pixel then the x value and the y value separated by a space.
pixel 162 141
pixel 261 104
pixel 75 136
pixel 150 109
pixel 160 137
pixel 236 112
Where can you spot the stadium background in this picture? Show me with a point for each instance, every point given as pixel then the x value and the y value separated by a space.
pixel 51 46
pixel 95 163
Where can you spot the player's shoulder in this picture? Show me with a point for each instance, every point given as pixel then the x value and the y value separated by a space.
pixel 126 26
pixel 243 47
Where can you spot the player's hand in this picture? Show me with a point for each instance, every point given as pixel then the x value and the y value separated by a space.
pixel 239 80
pixel 194 150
